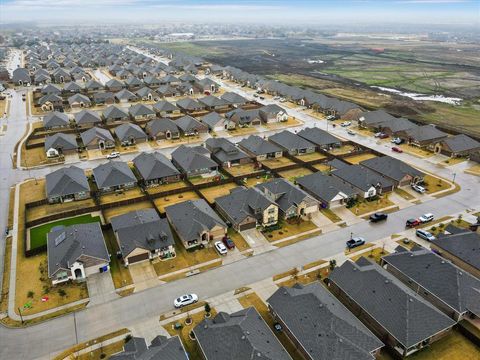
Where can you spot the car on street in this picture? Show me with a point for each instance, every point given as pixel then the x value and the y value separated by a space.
pixel 330 117
pixel 381 135
pixel 221 249
pixel 426 218
pixel 351 132
pixel 185 300
pixel 355 241
pixel 397 149
pixel 113 155
pixel 261 98
pixel 282 100
pixel 418 188
pixel 425 235
pixel 378 217
pixel 228 242
pixel 412 223
pixel 255 95
pixel 346 123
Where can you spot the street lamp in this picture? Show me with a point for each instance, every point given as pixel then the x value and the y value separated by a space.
pixel 454 175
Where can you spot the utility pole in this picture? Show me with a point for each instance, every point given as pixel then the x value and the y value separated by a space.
pixel 20 313
pixel 454 175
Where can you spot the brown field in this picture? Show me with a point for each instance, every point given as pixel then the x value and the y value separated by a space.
pixel 355 159
pixel 121 195
pixel 277 162
pixel 50 209
pixel 167 187
pixel 162 203
pixel 120 210
pixel 239 170
pixel 292 175
pixel 214 192
pixel 311 157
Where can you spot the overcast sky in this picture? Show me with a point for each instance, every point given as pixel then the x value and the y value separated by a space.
pixel 263 11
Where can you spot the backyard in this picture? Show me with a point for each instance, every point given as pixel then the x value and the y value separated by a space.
pixel 356 159
pixel 292 175
pixel 217 191
pixel 120 210
pixel 162 203
pixel 277 162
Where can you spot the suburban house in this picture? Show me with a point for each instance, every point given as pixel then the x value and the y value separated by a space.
pixel 161 348
pixel 394 127
pixel 451 289
pixel 322 139
pixel 226 153
pixel 72 87
pixel 216 122
pixel 104 98
pixel 272 113
pixel 194 161
pixel 21 76
pixel 79 101
pixel 234 99
pixel 125 96
pixel 50 102
pixel 400 173
pixel 189 105
pixel 190 127
pixel 213 103
pixel 462 249
pixel 372 119
pixel 114 176
pixel 115 113
pixel 457 146
pixel 207 84
pixel 260 149
pixel 66 184
pixel 369 183
pixel 93 85
pixel 328 189
pixel 247 208
pixel 141 235
pixel 60 144
pixel 130 134
pixel 425 136
pixel 164 108
pixel 195 223
pixel 55 120
pixel 320 326
pixel 87 118
pixel 155 169
pixel 75 252
pixel 159 129
pixel 249 337
pixel 97 138
pixel 291 200
pixel 244 118
pixel 114 85
pixel 141 112
pixel 397 315
pixel 146 94
pixel 292 143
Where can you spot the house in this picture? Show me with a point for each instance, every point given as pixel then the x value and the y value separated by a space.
pixel 93 85
pixel 234 99
pixel 226 153
pixel 259 148
pixel 155 169
pixel 395 126
pixel 216 122
pixel 50 102
pixel 425 136
pixel 141 112
pixel 249 337
pixel 398 316
pixel 115 113
pixel 124 96
pixel 320 326
pixel 161 348
pixel 291 200
pixel 213 103
pixel 273 113
pixel 329 190
pixel 114 85
pixel 114 176
pixel 189 126
pixel 168 91
pixel 208 85
pixel 87 118
pixel 371 119
pixel 79 101
pixel 400 173
pixel 194 161
pixel 51 89
pixel 75 252
pixel 21 76
pixel 104 98
pixel 133 82
pixel 146 94
pixel 457 146
pixel 97 138
pixel 189 105
pixel 72 87
pixel 292 143
pixel 322 139
pixel 462 249
pixel 55 120
pixel 164 108
pixel 60 144
pixel 244 118
pixel 130 134
pixel 66 184
pixel 369 183
pixel 247 208
pixel 159 129
pixel 195 223
pixel 141 235
pixel 448 287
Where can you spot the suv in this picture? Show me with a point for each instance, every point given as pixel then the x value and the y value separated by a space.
pixel 378 217
pixel 346 123
pixel 412 223
pixel 228 242
pixel 113 155
pixel 426 218
pixel 354 242
pixel 425 235
pixel 418 188
pixel 221 249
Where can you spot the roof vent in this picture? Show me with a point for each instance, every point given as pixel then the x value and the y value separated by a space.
pixel 243 337
pixel 387 282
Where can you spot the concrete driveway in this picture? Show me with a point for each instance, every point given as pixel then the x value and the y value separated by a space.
pixel 257 241
pixel 100 288
pixel 143 275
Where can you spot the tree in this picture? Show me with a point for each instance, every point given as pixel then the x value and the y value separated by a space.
pixel 30 294
pixel 62 292
pixel 208 309
pixel 333 264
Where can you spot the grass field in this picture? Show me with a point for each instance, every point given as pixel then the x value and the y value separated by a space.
pixel 38 234
pixel 289 229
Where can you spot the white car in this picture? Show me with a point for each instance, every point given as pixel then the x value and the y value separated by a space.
pixel 113 155
pixel 185 300
pixel 418 188
pixel 426 218
pixel 222 249
pixel 351 132
pixel 346 123
pixel 425 235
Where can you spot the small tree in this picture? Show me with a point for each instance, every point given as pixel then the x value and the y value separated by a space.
pixel 30 294
pixel 208 309
pixel 62 293
pixel 333 264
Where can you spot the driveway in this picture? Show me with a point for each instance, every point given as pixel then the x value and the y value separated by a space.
pixel 257 241
pixel 346 215
pixel 100 288
pixel 143 275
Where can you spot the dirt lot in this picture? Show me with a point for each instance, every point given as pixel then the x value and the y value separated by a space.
pixel 355 159
pixel 242 170
pixel 214 192
pixel 278 162
pixel 109 213
pixel 311 157
pixel 161 203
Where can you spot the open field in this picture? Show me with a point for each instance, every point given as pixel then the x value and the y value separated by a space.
pixel 162 203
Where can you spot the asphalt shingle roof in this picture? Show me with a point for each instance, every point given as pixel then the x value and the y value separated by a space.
pixel 162 348
pixel 325 187
pixel 465 245
pixel 361 177
pixel 66 181
pixel 461 142
pixel 318 136
pixel 154 166
pixel 61 141
pixel 193 158
pixel 391 167
pixel 96 132
pixel 113 173
pixel 258 146
pixel 290 141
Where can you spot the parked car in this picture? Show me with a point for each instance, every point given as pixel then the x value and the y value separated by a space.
pixel 418 188
pixel 261 98
pixel 397 141
pixel 185 300
pixel 346 123
pixel 355 241
pixel 255 95
pixel 221 249
pixel 331 117
pixel 425 235
pixel 426 218
pixel 378 217
pixel 397 149
pixel 351 132
pixel 282 100
pixel 412 223
pixel 113 155
pixel 228 242
pixel 383 136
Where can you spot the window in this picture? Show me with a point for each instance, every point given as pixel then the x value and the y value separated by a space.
pixel 271 211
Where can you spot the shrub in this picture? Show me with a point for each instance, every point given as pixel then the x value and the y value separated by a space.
pixel 30 294
pixel 207 308
pixel 62 292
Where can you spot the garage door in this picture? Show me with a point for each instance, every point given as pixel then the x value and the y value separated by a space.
pixel 251 225
pixel 137 258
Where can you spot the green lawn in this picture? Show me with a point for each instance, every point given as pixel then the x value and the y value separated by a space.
pixel 38 234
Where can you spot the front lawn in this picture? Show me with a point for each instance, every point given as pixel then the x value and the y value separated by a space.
pixel 365 206
pixel 434 184
pixel 38 234
pixel 289 228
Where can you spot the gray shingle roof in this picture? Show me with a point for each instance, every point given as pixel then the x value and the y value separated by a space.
pixel 211 100
pixel 361 177
pixel 115 112
pixel 224 150
pixel 258 146
pixel 113 173
pixel 66 181
pixel 318 136
pixel 465 246
pixel 140 109
pixel 188 124
pixel 125 94
pixel 234 98
pixel 192 158
pixel 165 106
pixel 189 104
pixel 96 132
pixel 79 98
pixel 161 125
pixel 162 348
pixel 242 335
pixel 390 167
pixel 79 239
pixel 154 166
pixel 290 141
pixel 55 118
pixel 212 119
pixel 373 118
pixel 461 142
pixel 129 131
pixel 425 133
pixel 87 117
pixel 61 141
pixel 403 313
pixel 325 187
pixel 322 325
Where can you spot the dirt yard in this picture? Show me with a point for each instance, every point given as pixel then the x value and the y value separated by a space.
pixel 167 187
pixel 120 210
pixel 292 175
pixel 121 195
pixel 214 192
pixel 277 162
pixel 311 157
pixel 161 203
pixel 355 159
